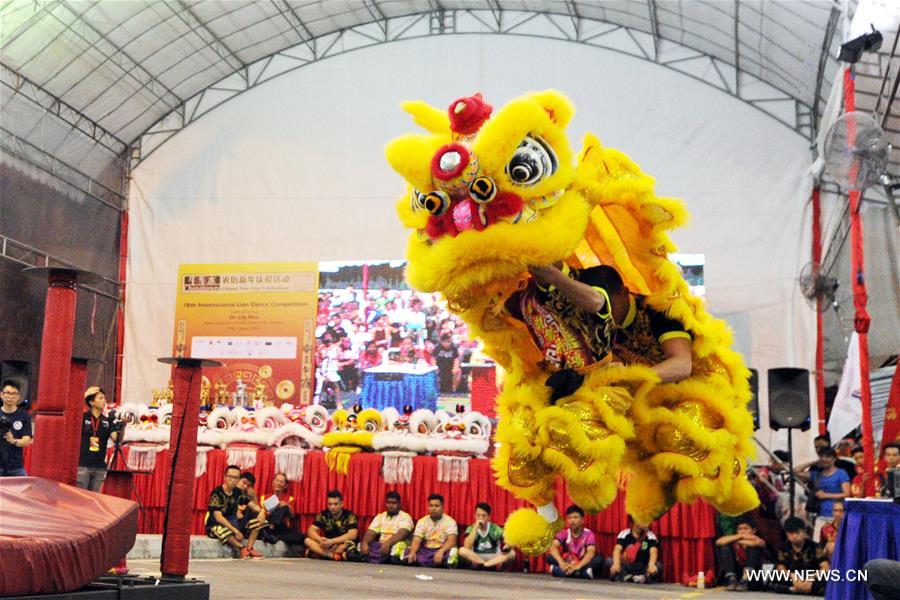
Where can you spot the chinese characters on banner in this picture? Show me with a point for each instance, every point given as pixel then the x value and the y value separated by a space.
pixel 258 319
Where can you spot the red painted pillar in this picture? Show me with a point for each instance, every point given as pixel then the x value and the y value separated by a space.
pixel 74 414
pixel 820 330
pixel 176 542
pixel 53 382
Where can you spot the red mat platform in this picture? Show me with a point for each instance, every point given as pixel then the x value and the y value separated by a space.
pixel 687 532
pixel 56 538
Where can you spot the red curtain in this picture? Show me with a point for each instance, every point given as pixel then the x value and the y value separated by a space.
pixel 686 532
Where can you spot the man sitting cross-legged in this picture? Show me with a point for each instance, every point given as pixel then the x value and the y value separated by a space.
pixel 434 539
pixel 574 549
pixel 225 502
pixel 334 531
pixel 387 536
pixel 483 547
pixel 635 556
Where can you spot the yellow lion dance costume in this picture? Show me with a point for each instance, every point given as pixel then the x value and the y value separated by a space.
pixel 491 196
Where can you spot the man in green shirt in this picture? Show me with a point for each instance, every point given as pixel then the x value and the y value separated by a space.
pixel 483 547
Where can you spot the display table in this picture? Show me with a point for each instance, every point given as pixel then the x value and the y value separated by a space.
pixel 398 385
pixel 687 533
pixel 871 529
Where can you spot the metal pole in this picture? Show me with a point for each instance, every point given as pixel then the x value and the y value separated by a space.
pixel 791 467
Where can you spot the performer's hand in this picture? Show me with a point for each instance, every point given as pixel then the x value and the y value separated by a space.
pixel 651 569
pixel 8 436
pixel 615 568
pixel 820 494
pixel 364 549
pixel 410 558
pixel 439 557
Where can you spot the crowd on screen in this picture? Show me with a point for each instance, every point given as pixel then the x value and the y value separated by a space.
pixel 357 330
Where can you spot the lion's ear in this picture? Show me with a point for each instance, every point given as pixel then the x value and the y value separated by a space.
pixel 428 117
pixel 560 108
pixel 410 156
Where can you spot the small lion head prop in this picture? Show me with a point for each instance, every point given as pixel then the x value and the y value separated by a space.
pixel 488 193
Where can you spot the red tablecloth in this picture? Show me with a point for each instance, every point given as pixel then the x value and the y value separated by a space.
pixel 686 532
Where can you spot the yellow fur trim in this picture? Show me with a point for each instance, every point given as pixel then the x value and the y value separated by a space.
pixel 527 530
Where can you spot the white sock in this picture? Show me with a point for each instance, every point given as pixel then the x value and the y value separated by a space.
pixel 548 511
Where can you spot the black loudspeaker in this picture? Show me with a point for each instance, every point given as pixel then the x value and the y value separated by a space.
pixel 753 403
pixel 20 372
pixel 789 398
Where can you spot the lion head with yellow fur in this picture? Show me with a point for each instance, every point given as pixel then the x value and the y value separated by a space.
pixel 489 194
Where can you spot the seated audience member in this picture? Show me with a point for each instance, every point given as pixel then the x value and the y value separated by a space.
pixel 829 533
pixel 800 557
pixel 333 534
pixel 434 539
pixel 280 515
pixel 635 556
pixel 483 546
pixel 739 554
pixel 574 549
pixel 222 516
pixel 386 538
pixel 830 484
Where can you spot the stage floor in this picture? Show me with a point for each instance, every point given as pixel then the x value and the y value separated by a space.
pixel 281 578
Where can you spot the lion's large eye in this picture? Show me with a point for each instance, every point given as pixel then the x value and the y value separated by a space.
pixel 534 160
pixel 417 200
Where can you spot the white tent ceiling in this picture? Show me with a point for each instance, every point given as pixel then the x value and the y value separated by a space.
pixel 112 70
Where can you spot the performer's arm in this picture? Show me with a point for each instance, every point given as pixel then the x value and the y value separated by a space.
pixel 677 364
pixel 401 535
pixel 582 295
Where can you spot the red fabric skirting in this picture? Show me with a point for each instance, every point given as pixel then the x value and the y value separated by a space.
pixel 686 532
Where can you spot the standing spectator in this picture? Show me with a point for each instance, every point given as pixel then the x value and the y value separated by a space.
pixel 347 366
pixel 574 549
pixel 222 514
pixel 434 539
pixel 740 553
pixel 446 355
pixel 386 538
pixel 15 432
pixel 891 460
pixel 829 484
pixel 635 556
pixel 96 431
pixel 829 533
pixel 483 547
pixel 334 531
pixel 281 516
pixel 800 557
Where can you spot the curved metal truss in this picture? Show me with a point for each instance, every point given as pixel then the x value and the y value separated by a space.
pixel 782 107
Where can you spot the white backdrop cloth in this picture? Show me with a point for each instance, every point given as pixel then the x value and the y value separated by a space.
pixel 294 170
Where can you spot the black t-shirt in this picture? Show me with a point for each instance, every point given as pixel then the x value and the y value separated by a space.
pixel 336 526
pixel 568 336
pixel 19 426
pixel 808 558
pixel 444 357
pixel 94 438
pixel 638 340
pixel 224 503
pixel 636 550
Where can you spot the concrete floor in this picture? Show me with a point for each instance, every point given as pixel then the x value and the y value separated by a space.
pixel 284 578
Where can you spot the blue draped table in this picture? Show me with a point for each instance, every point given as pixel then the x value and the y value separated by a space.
pixel 871 529
pixel 398 384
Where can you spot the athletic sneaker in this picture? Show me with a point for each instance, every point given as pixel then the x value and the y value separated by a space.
pixel 255 554
pixel 453 558
pixel 245 553
pixel 627 578
pixel 589 573
pixel 639 579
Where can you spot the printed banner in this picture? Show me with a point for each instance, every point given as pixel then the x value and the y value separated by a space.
pixel 259 320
